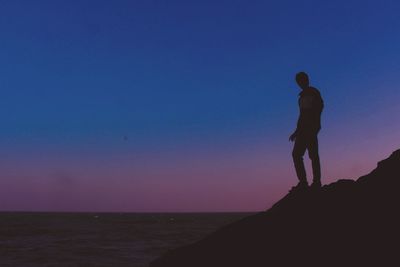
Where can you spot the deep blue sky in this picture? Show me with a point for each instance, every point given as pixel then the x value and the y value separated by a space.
pixel 176 77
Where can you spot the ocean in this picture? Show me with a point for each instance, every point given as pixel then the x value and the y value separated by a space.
pixel 100 239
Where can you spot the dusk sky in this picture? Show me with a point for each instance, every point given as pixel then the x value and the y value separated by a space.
pixel 150 105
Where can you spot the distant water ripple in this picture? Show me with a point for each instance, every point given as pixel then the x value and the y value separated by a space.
pixel 99 239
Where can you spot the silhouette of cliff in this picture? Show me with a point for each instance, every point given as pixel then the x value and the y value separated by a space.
pixel 346 223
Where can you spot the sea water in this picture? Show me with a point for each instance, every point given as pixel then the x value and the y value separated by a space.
pixel 100 239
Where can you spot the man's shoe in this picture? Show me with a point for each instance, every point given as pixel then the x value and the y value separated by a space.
pixel 302 185
pixel 316 184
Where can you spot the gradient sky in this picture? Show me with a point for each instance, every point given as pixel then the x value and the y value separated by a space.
pixel 151 105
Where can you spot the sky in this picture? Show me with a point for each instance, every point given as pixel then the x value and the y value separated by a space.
pixel 177 106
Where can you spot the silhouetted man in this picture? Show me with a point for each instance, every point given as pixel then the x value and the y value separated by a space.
pixel 311 105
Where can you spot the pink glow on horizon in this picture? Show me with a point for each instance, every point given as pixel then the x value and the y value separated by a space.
pixel 250 178
pixel 249 175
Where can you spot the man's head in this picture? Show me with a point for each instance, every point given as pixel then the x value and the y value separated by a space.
pixel 302 80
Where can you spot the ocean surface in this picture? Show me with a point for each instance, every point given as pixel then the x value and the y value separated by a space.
pixel 100 239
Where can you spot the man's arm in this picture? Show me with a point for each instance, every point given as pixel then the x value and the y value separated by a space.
pixel 294 134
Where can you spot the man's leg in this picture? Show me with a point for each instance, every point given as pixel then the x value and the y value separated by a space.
pixel 299 149
pixel 314 156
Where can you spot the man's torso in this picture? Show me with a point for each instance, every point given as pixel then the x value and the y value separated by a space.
pixel 311 106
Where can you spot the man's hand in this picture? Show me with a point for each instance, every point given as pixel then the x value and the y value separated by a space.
pixel 293 137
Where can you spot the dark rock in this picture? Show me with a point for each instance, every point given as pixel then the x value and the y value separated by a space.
pixel 346 223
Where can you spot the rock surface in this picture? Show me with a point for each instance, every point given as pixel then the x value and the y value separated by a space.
pixel 346 223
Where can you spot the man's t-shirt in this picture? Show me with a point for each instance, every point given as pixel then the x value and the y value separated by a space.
pixel 311 105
